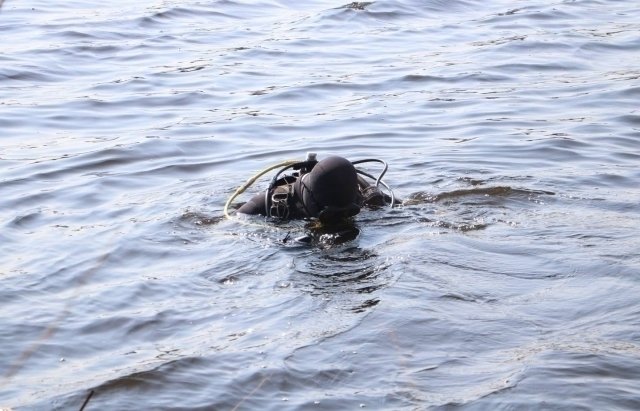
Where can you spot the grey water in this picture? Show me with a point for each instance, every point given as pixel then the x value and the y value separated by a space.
pixel 508 277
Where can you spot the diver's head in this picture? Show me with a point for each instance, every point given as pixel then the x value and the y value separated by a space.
pixel 330 191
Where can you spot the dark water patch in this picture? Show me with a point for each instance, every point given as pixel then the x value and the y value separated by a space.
pixel 175 99
pixel 136 83
pixel 198 219
pixel 34 75
pixel 470 210
pixel 459 78
pixel 324 237
pixel 468 297
pixel 535 13
pixel 362 5
pixel 97 35
pixel 562 141
pixel 499 41
pixel 463 227
pixel 502 191
pixel 358 272
pixel 182 68
pixel 24 221
pixel 384 217
pixel 537 68
pixel 315 90
pixel 94 51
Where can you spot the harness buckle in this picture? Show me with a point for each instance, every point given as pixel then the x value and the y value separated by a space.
pixel 280 202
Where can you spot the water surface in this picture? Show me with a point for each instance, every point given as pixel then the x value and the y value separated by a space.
pixel 507 279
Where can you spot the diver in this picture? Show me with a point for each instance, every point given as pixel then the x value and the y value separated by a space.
pixel 331 190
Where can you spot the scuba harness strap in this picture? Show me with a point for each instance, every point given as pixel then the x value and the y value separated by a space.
pixel 282 199
pixel 286 199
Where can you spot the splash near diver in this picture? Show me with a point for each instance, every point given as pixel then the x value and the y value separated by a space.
pixel 330 191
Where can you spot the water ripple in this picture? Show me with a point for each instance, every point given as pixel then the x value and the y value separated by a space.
pixel 507 277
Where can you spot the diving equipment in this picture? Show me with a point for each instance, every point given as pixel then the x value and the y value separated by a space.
pixel 330 190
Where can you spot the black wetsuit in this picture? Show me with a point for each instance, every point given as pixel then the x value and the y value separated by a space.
pixel 331 191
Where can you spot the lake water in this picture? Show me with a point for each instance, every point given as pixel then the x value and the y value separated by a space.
pixel 508 278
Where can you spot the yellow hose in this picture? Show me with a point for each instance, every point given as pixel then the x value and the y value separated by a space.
pixel 252 180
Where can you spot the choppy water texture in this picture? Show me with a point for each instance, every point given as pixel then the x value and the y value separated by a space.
pixel 508 279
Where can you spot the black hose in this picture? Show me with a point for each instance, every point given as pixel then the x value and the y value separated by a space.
pixel 374 160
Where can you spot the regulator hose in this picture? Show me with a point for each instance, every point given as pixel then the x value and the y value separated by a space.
pixel 252 180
